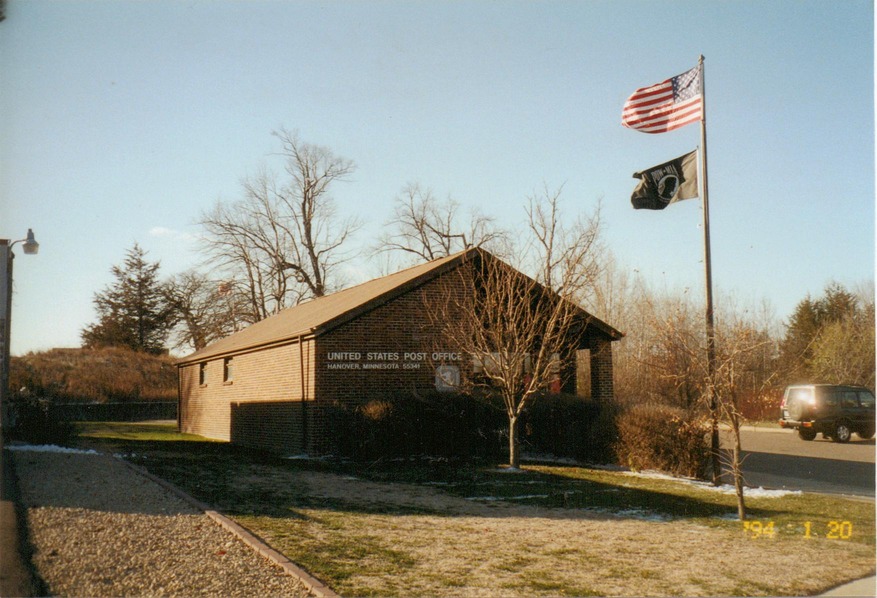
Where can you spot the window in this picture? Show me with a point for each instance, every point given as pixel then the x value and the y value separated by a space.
pixel 849 399
pixel 228 369
pixel 866 399
pixel 202 374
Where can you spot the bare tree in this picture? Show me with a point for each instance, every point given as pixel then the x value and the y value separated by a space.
pixel 282 241
pixel 745 365
pixel 204 309
pixel 517 332
pixel 426 228
pixel 316 228
pixel 521 332
pixel 567 257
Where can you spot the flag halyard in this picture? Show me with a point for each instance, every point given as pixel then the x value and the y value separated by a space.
pixel 665 106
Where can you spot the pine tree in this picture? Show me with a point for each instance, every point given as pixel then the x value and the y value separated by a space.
pixel 132 312
pixel 815 337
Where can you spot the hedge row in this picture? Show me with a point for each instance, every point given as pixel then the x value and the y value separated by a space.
pixel 664 438
pixel 641 437
pixel 458 426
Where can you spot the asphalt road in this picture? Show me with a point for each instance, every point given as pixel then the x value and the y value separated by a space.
pixel 776 458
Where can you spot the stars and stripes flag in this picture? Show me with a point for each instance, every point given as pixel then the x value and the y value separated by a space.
pixel 665 106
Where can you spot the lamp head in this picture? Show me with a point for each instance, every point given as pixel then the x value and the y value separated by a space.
pixel 30 245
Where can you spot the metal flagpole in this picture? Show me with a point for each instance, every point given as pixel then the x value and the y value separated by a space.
pixel 710 327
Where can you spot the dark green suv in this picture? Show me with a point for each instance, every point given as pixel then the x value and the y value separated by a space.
pixel 834 411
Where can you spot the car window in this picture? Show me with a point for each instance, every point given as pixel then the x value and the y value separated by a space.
pixel 831 398
pixel 848 399
pixel 866 399
pixel 799 394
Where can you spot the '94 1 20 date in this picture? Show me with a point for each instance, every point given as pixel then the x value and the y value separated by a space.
pixel 830 530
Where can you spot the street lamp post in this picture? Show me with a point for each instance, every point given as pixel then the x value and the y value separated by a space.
pixel 30 247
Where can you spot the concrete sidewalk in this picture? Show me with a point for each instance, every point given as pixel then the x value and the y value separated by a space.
pixel 860 587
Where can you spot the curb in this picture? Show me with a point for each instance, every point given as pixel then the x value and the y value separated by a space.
pixel 316 587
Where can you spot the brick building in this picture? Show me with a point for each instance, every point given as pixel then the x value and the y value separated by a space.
pixel 265 385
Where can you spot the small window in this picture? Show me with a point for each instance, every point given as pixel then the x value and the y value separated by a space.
pixel 228 369
pixel 202 374
pixel 866 399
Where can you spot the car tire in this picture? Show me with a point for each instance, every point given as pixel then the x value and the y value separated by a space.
pixel 806 434
pixel 797 409
pixel 866 434
pixel 842 432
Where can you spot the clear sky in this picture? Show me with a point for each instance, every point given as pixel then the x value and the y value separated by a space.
pixel 120 122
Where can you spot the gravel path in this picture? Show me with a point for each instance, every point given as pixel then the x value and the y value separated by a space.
pixel 101 529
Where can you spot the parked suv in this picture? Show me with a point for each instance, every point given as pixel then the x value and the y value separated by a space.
pixel 832 410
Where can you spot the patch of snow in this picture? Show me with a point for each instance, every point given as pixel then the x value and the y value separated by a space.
pixel 606 467
pixel 723 489
pixel 728 517
pixel 50 448
pixel 508 470
pixel 762 492
pixel 659 475
pixel 642 514
pixel 521 497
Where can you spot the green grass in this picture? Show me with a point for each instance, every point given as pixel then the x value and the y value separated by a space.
pixel 134 431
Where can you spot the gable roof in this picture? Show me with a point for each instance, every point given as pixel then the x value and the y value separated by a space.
pixel 322 314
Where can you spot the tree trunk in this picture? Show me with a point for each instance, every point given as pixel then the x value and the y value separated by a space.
pixel 514 458
pixel 737 467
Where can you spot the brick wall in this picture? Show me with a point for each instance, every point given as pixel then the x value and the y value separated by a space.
pixel 602 388
pixel 268 375
pixel 389 350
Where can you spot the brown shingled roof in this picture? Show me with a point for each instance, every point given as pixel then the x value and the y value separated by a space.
pixel 324 313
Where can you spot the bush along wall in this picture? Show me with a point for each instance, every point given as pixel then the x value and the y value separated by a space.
pixel 664 438
pixel 460 426
pixel 567 426
pixel 436 424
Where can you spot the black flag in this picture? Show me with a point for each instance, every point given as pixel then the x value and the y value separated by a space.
pixel 666 183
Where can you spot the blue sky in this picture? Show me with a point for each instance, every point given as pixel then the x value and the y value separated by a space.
pixel 123 121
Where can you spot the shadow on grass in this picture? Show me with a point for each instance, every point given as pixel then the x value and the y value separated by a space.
pixel 241 481
pixel 244 482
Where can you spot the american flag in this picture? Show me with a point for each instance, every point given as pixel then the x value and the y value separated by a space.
pixel 665 106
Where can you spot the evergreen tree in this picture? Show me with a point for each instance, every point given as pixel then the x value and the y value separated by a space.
pixel 132 312
pixel 820 331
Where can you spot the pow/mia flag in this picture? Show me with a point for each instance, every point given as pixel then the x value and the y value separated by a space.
pixel 666 183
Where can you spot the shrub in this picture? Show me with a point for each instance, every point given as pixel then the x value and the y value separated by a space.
pixel 665 438
pixel 435 424
pixel 570 426
pixel 34 422
pixel 461 426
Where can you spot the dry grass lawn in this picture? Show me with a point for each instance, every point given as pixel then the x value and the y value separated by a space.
pixel 487 548
pixel 416 529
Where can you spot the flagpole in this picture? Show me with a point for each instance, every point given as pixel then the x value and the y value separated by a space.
pixel 707 260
